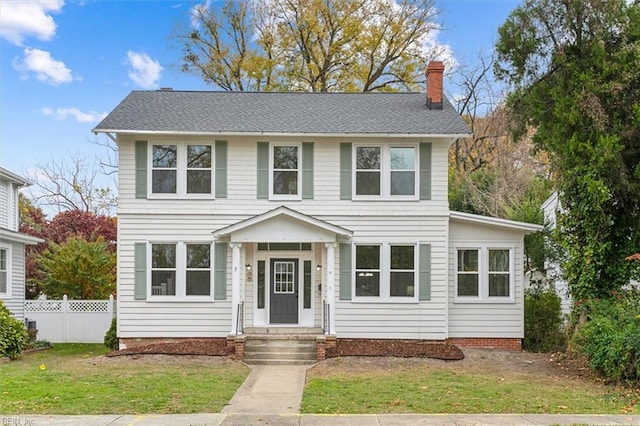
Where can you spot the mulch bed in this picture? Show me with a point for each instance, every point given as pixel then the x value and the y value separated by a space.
pixel 184 347
pixel 397 348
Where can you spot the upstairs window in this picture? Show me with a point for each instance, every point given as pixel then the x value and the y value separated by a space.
pixel 164 174
pixel 484 274
pixel 386 171
pixel 181 169
pixel 285 171
pixel 198 169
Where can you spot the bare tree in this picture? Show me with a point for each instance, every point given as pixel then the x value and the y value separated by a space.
pixel 74 183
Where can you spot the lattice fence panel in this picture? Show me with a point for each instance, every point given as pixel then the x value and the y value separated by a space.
pixel 88 305
pixel 42 306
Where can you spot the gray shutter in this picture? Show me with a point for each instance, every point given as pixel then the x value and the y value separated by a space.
pixel 140 267
pixel 220 277
pixel 345 170
pixel 346 272
pixel 425 171
pixel 307 170
pixel 141 169
pixel 425 272
pixel 221 169
pixel 263 170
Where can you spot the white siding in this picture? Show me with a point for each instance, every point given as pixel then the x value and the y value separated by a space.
pixel 500 320
pixel 241 165
pixel 5 210
pixel 415 222
pixel 15 301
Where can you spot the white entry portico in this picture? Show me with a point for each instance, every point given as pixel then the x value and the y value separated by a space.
pixel 283 270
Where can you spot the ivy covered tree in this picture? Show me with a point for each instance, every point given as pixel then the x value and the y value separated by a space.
pixel 574 69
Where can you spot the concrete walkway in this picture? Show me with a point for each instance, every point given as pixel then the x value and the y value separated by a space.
pixel 270 389
pixel 271 395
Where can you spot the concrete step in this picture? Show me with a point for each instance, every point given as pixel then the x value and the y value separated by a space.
pixel 280 349
pixel 279 355
pixel 280 362
pixel 283 330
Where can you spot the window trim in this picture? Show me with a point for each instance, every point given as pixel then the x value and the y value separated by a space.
pixel 385 273
pixel 7 294
pixel 181 273
pixel 298 195
pixel 483 274
pixel 181 170
pixel 385 171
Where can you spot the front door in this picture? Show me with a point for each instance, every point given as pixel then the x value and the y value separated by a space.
pixel 284 291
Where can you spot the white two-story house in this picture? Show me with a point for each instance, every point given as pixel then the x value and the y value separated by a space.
pixel 242 211
pixel 12 244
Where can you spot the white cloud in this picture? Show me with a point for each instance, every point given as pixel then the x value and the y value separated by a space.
pixel 435 50
pixel 144 71
pixel 20 19
pixel 80 117
pixel 46 69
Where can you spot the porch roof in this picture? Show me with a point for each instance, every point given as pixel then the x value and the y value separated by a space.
pixel 282 224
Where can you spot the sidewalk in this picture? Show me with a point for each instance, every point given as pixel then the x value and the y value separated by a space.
pixel 271 395
pixel 320 420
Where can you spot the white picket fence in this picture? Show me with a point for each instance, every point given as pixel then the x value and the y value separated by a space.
pixel 71 321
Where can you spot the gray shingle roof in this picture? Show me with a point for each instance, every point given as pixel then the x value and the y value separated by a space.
pixel 269 112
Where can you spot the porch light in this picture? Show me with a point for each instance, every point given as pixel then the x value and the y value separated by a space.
pixel 248 267
pixel 318 267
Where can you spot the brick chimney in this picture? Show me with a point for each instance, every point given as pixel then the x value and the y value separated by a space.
pixel 434 72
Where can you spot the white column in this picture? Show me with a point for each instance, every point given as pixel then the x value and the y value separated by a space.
pixel 235 284
pixel 331 286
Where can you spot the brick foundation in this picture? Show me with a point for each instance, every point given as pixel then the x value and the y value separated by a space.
pixel 507 344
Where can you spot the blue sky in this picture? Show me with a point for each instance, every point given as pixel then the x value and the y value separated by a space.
pixel 65 64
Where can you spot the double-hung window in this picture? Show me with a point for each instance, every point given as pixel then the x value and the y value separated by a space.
pixel 181 269
pixel 5 286
pixel 484 274
pixel 385 271
pixel 285 171
pixel 385 171
pixel 181 169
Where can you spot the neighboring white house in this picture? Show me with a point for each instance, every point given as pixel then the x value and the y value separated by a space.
pixel 12 244
pixel 241 211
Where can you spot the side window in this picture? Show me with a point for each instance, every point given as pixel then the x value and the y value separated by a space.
pixel 468 273
pixel 163 269
pixel 164 173
pixel 285 177
pixel 484 274
pixel 368 170
pixel 4 272
pixel 499 273
pixel 198 169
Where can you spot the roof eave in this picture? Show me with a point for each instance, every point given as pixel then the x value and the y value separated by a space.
pixel 295 134
pixel 527 228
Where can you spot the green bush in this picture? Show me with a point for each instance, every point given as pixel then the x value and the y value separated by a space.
pixel 610 338
pixel 13 334
pixel 542 320
pixel 110 338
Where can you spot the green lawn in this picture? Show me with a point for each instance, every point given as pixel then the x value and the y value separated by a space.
pixel 67 380
pixel 446 391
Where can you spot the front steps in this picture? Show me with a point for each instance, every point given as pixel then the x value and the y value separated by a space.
pixel 280 345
